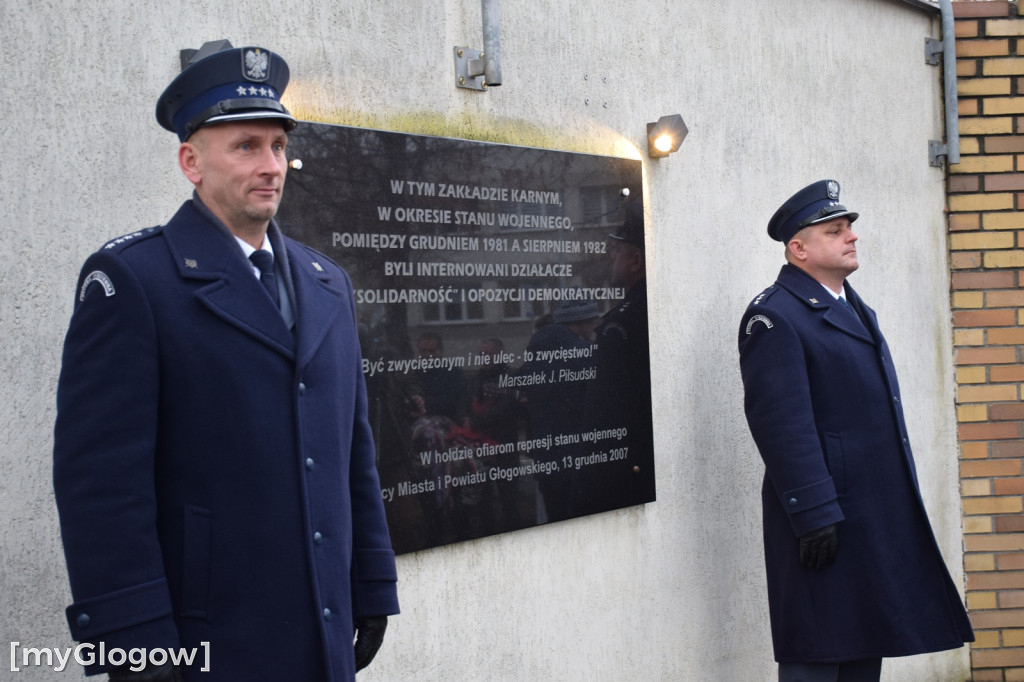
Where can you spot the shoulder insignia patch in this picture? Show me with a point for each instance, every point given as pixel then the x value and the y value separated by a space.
pixel 758 318
pixel 97 276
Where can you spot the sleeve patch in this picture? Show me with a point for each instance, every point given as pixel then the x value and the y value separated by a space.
pixel 758 318
pixel 101 277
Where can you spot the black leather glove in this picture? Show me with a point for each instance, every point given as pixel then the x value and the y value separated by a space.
pixel 818 548
pixel 151 673
pixel 369 635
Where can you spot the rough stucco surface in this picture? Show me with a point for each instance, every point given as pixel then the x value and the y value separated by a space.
pixel 776 94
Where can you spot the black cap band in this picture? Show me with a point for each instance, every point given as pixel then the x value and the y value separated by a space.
pixel 257 105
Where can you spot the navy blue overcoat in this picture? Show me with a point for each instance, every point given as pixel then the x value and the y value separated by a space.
pixel 823 406
pixel 214 471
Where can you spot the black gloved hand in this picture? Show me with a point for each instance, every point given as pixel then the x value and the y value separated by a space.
pixel 369 635
pixel 818 548
pixel 151 673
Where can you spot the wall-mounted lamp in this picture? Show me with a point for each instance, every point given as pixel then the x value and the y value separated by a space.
pixel 665 136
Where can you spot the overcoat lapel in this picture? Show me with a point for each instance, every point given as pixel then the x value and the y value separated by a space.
pixel 317 302
pixel 808 290
pixel 867 315
pixel 201 252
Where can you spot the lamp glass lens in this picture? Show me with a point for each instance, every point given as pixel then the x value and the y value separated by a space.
pixel 663 143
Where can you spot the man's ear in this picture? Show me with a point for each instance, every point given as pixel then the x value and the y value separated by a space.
pixel 796 249
pixel 188 160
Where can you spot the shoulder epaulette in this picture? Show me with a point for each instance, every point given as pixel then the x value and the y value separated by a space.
pixel 132 237
pixel 764 295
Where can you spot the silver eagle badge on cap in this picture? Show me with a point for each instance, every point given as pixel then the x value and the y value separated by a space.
pixel 256 65
pixel 833 189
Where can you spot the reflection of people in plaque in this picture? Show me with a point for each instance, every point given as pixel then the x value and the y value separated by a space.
pixel 854 573
pixel 619 397
pixel 493 414
pixel 455 507
pixel 392 400
pixel 556 387
pixel 441 389
pixel 492 408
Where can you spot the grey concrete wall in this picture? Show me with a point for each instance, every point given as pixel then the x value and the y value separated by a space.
pixel 777 94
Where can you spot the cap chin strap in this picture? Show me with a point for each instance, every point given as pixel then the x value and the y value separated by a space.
pixel 822 215
pixel 235 106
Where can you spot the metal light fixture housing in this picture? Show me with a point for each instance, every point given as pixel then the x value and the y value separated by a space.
pixel 665 136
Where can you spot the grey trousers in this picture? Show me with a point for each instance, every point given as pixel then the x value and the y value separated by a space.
pixel 867 670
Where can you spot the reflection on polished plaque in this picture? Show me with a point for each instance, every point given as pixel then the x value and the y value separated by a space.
pixel 480 274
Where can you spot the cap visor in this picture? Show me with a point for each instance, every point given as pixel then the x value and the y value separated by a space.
pixel 248 116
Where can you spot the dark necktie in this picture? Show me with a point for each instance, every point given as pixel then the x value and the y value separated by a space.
pixel 264 262
pixel 846 304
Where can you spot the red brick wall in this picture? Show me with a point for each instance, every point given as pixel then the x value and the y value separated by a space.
pixel 986 241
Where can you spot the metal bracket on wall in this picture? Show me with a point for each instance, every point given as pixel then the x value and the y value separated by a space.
pixel 478 69
pixel 469 68
pixel 932 51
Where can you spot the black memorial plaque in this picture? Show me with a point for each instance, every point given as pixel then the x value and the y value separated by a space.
pixel 461 253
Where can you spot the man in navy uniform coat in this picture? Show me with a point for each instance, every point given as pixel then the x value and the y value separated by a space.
pixel 854 572
pixel 213 464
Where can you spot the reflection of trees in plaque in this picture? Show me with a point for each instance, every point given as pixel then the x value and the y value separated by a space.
pixel 459 253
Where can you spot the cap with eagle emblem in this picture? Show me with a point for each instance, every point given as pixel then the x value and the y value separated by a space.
pixel 223 83
pixel 816 203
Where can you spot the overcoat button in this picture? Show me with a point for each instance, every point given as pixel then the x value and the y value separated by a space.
pixel 302 388
pixel 310 463
pixel 327 614
pixel 318 538
pixel 83 620
pixel 792 502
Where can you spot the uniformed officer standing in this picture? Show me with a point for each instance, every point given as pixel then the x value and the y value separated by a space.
pixel 854 572
pixel 213 463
